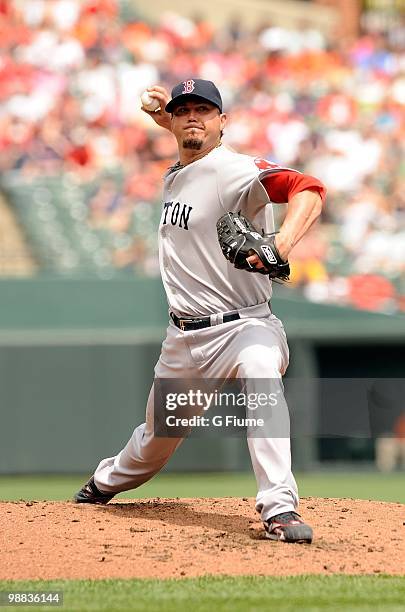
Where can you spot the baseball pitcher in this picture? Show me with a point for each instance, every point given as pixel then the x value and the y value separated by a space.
pixel 217 267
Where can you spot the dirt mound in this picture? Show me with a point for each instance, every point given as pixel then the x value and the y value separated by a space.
pixel 164 538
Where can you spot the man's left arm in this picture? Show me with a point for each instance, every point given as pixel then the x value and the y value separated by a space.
pixel 302 211
pixel 304 196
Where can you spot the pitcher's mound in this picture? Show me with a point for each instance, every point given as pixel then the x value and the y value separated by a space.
pixel 171 538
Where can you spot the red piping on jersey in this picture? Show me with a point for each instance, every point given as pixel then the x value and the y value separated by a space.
pixel 281 185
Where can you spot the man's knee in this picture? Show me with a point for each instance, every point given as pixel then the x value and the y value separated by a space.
pixel 255 362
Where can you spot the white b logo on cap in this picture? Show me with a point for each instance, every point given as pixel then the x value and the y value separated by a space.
pixel 188 86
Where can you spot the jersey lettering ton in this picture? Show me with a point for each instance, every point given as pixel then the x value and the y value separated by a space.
pixel 198 280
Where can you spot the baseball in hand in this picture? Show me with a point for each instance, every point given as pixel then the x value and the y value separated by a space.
pixel 149 103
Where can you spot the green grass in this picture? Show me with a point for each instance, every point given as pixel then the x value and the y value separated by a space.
pixel 361 485
pixel 236 594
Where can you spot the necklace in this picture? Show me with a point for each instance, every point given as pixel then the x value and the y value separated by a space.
pixel 179 166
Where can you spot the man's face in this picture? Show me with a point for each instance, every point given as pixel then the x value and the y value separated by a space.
pixel 197 124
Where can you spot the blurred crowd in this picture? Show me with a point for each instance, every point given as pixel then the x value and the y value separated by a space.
pixel 72 71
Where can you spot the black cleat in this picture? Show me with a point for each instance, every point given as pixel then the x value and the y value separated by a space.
pixel 89 494
pixel 288 527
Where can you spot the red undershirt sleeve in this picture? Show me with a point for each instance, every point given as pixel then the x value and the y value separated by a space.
pixel 282 185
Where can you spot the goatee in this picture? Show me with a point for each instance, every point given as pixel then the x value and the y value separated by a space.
pixel 192 143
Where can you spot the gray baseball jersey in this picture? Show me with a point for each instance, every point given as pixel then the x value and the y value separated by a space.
pixel 197 278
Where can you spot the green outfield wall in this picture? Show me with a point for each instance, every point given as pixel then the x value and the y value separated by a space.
pixel 77 358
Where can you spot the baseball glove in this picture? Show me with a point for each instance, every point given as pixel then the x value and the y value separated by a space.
pixel 238 239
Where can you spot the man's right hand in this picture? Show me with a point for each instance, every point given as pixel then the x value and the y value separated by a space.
pixel 161 117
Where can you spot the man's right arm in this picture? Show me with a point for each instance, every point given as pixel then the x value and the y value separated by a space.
pixel 161 117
